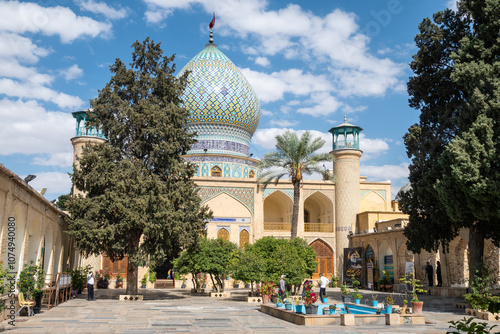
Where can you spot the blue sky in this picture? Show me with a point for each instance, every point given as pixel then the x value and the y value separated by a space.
pixel 308 61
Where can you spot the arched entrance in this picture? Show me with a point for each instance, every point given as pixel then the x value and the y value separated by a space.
pixel 324 257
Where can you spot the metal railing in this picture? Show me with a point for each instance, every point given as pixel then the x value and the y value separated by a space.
pixel 319 227
pixel 277 226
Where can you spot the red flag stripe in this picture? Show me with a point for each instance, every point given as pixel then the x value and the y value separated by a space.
pixel 212 23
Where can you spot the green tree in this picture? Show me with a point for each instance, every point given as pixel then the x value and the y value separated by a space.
pixel 139 198
pixel 294 157
pixel 212 256
pixel 291 257
pixel 62 202
pixel 453 147
pixel 247 266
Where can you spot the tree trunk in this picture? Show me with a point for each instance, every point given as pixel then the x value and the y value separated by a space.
pixel 295 214
pixel 132 273
pixel 476 251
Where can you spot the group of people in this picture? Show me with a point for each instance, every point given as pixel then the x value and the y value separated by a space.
pixel 323 283
pixel 429 271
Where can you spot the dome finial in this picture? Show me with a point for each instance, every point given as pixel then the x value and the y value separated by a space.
pixel 345 118
pixel 210 26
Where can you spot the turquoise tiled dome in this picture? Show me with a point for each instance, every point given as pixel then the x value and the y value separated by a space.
pixel 224 109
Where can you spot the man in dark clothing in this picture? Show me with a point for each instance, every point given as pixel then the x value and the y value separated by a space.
pixel 430 273
pixel 282 287
pixel 438 274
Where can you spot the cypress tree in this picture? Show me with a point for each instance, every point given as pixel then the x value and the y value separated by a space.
pixel 139 200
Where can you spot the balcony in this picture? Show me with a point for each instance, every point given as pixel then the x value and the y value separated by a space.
pixel 281 227
pixel 319 227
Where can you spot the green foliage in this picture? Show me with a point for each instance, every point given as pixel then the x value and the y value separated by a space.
pixel 415 285
pixel 389 300
pixel 212 256
pixel 79 277
pixel 293 157
pixel 480 298
pixel 3 276
pixel 344 290
pixel 152 277
pixel 454 148
pixel 62 202
pixel 247 265
pixel 140 200
pixel 31 280
pixel 356 294
pixel 467 325
pixel 291 257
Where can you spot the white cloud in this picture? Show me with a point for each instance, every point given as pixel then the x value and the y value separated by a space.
pixel 385 172
pixel 452 4
pixel 102 8
pixel 334 42
pixel 72 72
pixel 61 159
pixel 324 104
pixel 283 123
pixel 273 87
pixel 27 128
pixel 20 17
pixel 262 61
pixel 14 45
pixel 372 146
pixel 28 90
pixel 55 182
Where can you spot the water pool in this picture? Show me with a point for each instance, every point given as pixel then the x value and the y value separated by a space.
pixel 355 309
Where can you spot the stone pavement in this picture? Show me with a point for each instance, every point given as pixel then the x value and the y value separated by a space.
pixel 176 311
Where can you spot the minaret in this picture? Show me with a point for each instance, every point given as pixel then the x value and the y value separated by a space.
pixel 346 153
pixel 84 135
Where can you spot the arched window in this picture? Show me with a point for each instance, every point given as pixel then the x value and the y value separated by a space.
pixel 251 174
pixel 223 234
pixel 244 238
pixel 216 171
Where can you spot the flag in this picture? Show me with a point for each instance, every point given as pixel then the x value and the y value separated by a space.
pixel 212 23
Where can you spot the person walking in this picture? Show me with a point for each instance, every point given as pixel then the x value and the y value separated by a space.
pixel 323 283
pixel 429 271
pixel 90 286
pixel 282 287
pixel 438 274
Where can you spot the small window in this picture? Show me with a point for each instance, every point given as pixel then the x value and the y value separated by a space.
pixel 223 234
pixel 251 174
pixel 216 171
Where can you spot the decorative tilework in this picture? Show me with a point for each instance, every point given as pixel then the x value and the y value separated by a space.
pixel 309 192
pixel 364 192
pixel 219 146
pixel 218 94
pixel 212 158
pixel 243 195
pixel 268 192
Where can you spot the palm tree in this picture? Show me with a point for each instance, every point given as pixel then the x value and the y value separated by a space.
pixel 295 157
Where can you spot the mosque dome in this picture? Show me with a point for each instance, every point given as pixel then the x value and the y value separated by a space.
pixel 224 109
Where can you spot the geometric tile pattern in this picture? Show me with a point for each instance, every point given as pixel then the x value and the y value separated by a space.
pixel 364 192
pixel 217 93
pixel 268 192
pixel 243 195
pixel 228 169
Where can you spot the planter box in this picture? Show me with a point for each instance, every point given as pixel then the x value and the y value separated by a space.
pixel 197 292
pixel 254 299
pixel 347 320
pixel 484 315
pixel 220 294
pixel 131 297
pixel 392 319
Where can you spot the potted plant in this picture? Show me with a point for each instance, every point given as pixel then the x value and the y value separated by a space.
pixel 102 276
pixel 357 296
pixel 333 308
pixel 144 281
pixel 309 299
pixel 334 280
pixel 79 278
pixel 288 301
pixel 266 290
pixel 374 300
pixel 389 301
pixel 30 283
pixel 279 302
pixel 152 277
pixel 416 288
pixel 346 294
pixel 184 280
pixel 324 299
pixel 119 280
pixel 236 284
pixel 404 306
pixel 299 308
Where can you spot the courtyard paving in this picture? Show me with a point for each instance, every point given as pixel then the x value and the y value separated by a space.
pixel 176 311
